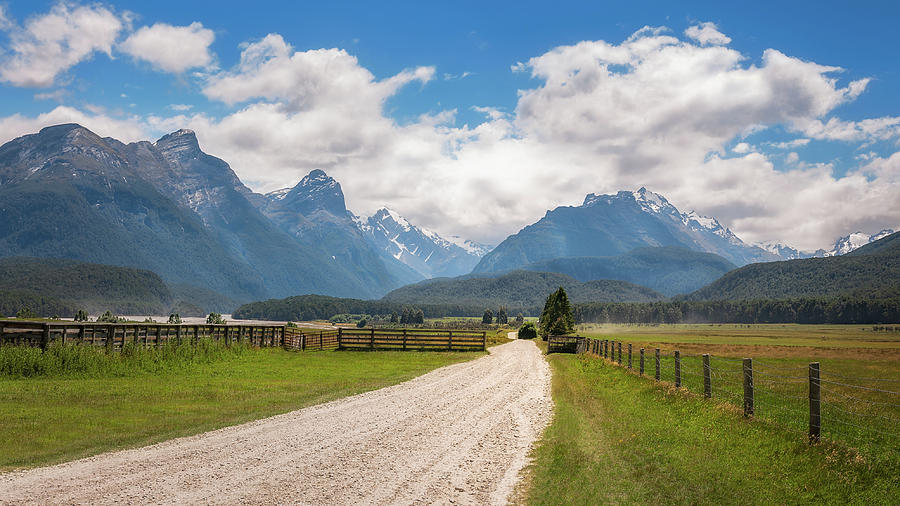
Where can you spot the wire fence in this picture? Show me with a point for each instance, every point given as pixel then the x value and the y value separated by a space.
pixel 862 412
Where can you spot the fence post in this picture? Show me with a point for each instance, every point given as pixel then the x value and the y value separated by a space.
pixel 642 362
pixel 372 340
pixel 748 386
pixel 620 352
pixel 158 336
pixel 449 340
pixel 629 355
pixel 677 369
pixel 45 337
pixel 178 333
pixel 707 382
pixel 404 339
pixel 657 364
pixel 483 340
pixel 815 404
pixel 110 337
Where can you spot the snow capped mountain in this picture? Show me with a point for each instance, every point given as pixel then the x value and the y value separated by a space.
pixel 855 240
pixel 613 224
pixel 421 249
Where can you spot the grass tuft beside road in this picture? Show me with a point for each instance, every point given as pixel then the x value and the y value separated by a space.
pixel 618 438
pixel 99 404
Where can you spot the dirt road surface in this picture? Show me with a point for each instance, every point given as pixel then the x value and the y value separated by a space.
pixel 459 434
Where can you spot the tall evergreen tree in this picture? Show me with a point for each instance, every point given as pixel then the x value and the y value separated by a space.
pixel 488 317
pixel 557 318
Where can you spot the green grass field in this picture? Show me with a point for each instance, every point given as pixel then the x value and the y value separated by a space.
pixel 64 413
pixel 631 439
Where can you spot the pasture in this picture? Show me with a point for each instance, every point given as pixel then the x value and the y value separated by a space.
pixel 631 439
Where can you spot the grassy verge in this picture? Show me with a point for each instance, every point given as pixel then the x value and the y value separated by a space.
pixel 70 413
pixel 618 438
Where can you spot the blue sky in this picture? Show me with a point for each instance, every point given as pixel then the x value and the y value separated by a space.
pixel 467 52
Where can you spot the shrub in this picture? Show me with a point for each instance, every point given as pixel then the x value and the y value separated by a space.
pixel 527 331
pixel 215 319
pixel 362 323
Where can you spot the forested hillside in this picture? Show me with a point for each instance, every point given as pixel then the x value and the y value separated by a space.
pixel 871 272
pixel 60 287
pixel 669 270
pixel 517 289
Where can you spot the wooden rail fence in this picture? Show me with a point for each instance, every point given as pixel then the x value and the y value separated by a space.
pixel 385 339
pixel 114 336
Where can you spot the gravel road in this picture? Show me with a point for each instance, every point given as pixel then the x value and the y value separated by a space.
pixel 459 434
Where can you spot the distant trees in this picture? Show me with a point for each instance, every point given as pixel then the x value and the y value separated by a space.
pixel 215 319
pixel 81 316
pixel 174 319
pixel 487 317
pixel 108 317
pixel 520 319
pixel 502 319
pixel 362 323
pixel 395 318
pixel 557 317
pixel 26 313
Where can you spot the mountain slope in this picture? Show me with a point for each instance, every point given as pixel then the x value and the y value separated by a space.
pixel 314 213
pixel 67 193
pixel 170 208
pixel 872 271
pixel 517 289
pixel 609 225
pixel 421 249
pixel 93 287
pixel 669 270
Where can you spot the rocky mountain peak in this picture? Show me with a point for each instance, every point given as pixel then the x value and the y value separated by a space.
pixel 178 143
pixel 316 191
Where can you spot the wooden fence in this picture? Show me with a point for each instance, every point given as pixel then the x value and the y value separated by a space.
pixel 412 339
pixel 564 344
pixel 385 339
pixel 803 397
pixel 114 336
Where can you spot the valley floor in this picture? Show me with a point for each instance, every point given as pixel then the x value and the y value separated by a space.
pixel 458 434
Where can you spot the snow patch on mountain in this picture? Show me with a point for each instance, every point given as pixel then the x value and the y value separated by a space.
pixel 854 241
pixel 422 249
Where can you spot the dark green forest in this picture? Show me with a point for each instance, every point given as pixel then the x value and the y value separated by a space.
pixel 801 310
pixel 669 270
pixel 870 272
pixel 518 290
pixel 51 286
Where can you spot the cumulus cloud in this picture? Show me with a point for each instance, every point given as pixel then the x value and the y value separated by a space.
pixel 741 148
pixel 707 34
pixel 170 48
pixel 872 129
pixel 127 129
pixel 306 81
pixel 50 44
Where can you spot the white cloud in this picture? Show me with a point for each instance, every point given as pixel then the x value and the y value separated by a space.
pixel 707 34
pixel 128 129
pixel 56 95
pixel 181 107
pixel 170 48
pixel 796 143
pixel 865 130
pixel 304 81
pixel 741 148
pixel 50 44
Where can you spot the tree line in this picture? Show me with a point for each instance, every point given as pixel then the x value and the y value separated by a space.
pixel 846 310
